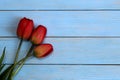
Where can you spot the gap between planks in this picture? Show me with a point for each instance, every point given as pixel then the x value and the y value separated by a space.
pixel 66 10
pixel 69 36
pixel 75 64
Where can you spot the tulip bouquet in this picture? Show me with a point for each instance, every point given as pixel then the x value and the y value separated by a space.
pixel 26 31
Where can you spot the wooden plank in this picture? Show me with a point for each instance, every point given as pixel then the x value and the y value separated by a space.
pixel 70 51
pixel 68 72
pixel 59 4
pixel 68 23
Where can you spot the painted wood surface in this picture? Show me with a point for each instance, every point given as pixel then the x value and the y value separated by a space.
pixel 65 23
pixel 70 51
pixel 81 31
pixel 68 72
pixel 58 4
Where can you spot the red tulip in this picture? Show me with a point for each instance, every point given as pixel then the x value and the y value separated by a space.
pixel 38 35
pixel 43 50
pixel 25 28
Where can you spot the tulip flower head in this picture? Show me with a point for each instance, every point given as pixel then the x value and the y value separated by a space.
pixel 38 35
pixel 25 28
pixel 43 50
pixel 26 31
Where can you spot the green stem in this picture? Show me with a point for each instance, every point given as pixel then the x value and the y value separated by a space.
pixel 16 56
pixel 18 50
pixel 21 64
pixel 30 50
pixel 11 66
pixel 6 72
pixel 19 67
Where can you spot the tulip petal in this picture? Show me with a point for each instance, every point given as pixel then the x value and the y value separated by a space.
pixel 25 28
pixel 43 50
pixel 38 35
pixel 28 30
pixel 23 22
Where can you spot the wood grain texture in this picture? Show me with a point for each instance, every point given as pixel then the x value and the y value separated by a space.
pixel 58 4
pixel 66 72
pixel 81 31
pixel 70 51
pixel 68 23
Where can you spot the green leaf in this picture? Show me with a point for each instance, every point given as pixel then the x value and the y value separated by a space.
pixel 2 57
pixel 18 69
pixel 1 60
pixel 13 73
pixel 5 73
pixel 1 67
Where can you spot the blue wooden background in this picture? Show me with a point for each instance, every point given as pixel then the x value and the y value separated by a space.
pixel 85 35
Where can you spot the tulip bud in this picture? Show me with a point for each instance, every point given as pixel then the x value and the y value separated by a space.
pixel 38 35
pixel 25 28
pixel 43 50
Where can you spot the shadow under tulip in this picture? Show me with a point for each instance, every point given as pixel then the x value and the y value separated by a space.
pixel 12 27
